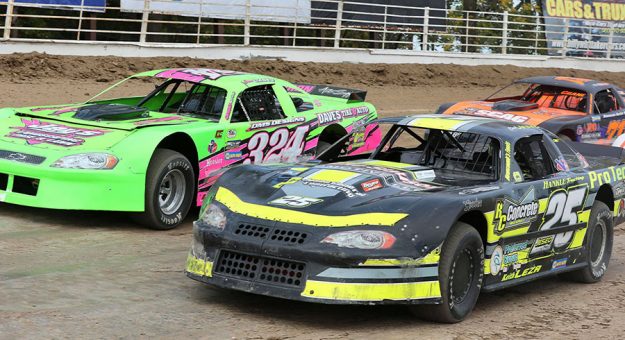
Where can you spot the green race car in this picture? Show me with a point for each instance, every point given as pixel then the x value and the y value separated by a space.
pixel 157 154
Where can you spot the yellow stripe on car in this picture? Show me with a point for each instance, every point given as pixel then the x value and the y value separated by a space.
pixel 438 123
pixel 371 291
pixel 199 267
pixel 332 176
pixel 236 205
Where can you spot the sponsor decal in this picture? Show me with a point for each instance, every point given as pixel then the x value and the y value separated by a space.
pixel 35 131
pixel 278 122
pixel 478 190
pixel 510 259
pixel 517 176
pixel 371 185
pixel 561 164
pixel 196 75
pixel 337 116
pixel 598 178
pixel 496 261
pixel 212 146
pixel 472 204
pixel 233 144
pixel 259 80
pixel 510 214
pixel 219 133
pixel 492 114
pixel 234 155
pixel 542 244
pixel 507 158
pixel 514 247
pixel 560 182
pixel 621 208
pixel 295 201
pixel 559 263
pixel 232 133
pixel 517 274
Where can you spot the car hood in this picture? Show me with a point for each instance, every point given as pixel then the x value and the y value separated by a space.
pixel 346 188
pixel 56 128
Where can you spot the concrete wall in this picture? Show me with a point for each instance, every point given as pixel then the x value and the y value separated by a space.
pixel 303 54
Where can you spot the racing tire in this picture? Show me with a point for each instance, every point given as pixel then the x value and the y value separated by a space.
pixel 598 245
pixel 460 271
pixel 170 186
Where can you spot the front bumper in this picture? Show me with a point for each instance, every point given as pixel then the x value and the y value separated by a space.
pixel 39 185
pixel 307 271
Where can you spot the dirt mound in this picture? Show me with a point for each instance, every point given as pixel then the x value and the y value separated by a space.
pixel 24 68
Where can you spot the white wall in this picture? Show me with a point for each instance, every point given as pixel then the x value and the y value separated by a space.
pixel 303 54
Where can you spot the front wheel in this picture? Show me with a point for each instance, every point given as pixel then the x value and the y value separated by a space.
pixel 461 271
pixel 169 190
pixel 599 238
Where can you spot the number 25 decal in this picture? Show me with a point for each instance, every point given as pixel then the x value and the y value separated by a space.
pixel 282 147
pixel 562 211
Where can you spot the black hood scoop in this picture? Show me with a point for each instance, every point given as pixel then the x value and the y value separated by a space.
pixel 98 112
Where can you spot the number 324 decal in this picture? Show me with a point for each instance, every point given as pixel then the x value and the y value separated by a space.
pixel 282 146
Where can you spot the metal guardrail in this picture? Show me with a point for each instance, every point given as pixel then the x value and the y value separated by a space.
pixel 434 30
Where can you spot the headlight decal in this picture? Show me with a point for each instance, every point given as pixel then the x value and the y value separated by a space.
pixel 361 239
pixel 92 161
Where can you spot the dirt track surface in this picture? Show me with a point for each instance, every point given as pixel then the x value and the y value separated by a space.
pixel 95 275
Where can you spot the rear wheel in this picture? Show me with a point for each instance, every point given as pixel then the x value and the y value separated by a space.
pixel 599 238
pixel 460 276
pixel 564 137
pixel 169 190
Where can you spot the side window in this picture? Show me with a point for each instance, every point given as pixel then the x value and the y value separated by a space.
pixel 204 101
pixel 257 103
pixel 533 159
pixel 605 101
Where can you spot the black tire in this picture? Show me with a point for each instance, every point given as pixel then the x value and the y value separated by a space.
pixel 598 245
pixel 461 264
pixel 169 191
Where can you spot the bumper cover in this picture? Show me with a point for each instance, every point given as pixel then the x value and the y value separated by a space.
pixel 307 271
pixel 72 189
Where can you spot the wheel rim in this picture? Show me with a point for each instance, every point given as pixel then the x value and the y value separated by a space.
pixel 597 244
pixel 462 276
pixel 171 192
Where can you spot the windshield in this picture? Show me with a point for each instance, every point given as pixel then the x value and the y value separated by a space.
pixel 451 154
pixel 172 96
pixel 556 97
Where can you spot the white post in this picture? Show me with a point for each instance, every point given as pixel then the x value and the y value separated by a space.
pixel 426 28
pixel 565 40
pixel 610 39
pixel 339 23
pixel 144 21
pixel 384 32
pixel 536 35
pixel 199 23
pixel 82 8
pixel 504 34
pixel 294 33
pixel 466 33
pixel 246 27
pixel 8 20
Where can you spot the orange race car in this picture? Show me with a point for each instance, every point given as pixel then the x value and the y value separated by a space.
pixel 575 109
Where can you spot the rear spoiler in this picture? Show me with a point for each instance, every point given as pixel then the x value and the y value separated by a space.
pixel 351 95
pixel 598 150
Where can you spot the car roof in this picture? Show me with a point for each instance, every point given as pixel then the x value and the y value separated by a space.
pixel 582 84
pixel 214 77
pixel 501 129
